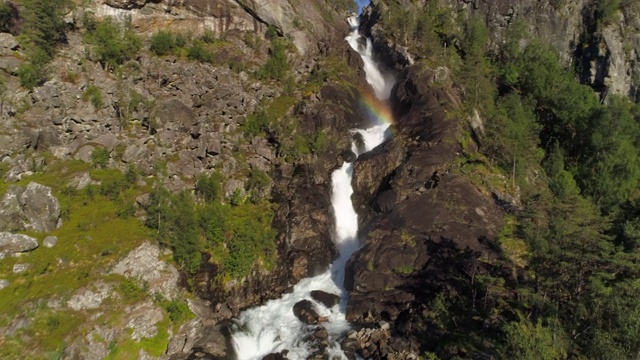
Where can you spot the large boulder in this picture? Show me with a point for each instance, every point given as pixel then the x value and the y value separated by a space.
pixel 305 311
pixel 327 299
pixel 143 263
pixel 14 243
pixel 172 114
pixel 213 344
pixel 31 208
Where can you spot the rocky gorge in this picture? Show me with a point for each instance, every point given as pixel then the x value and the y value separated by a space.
pixel 83 154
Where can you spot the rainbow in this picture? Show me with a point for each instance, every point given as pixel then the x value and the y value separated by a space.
pixel 376 111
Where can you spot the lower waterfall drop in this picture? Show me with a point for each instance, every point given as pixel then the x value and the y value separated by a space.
pixel 273 327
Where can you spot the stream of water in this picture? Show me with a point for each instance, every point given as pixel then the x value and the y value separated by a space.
pixel 273 327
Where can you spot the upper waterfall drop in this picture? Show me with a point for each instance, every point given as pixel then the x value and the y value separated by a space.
pixel 381 83
pixel 273 327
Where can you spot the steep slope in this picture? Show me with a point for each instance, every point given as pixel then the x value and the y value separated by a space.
pixel 262 112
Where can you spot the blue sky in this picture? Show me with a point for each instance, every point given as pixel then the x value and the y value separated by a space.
pixel 362 3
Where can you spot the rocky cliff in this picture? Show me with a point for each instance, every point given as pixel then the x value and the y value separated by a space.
pixel 167 120
pixel 598 38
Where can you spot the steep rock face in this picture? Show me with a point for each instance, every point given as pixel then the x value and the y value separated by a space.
pixel 558 23
pixel 303 220
pixel 428 222
pixel 609 59
pixel 312 26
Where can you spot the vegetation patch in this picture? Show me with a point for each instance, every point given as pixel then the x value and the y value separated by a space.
pixel 91 238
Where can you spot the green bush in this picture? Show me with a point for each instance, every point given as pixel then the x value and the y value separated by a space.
pixel 208 37
pixel 258 180
pixel 198 52
pixel 174 218
pixel 209 188
pixel 8 16
pixel 100 157
pixel 131 290
pixel 113 185
pixel 43 28
pixel 125 207
pixel 131 175
pixel 256 123
pixel 276 66
pixel 32 75
pixel 114 43
pixel 162 43
pixel 213 223
pixel 238 234
pixel 93 93
pixel 180 41
pixel 177 310
pixel 236 197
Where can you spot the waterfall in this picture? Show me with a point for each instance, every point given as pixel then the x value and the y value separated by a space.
pixel 273 327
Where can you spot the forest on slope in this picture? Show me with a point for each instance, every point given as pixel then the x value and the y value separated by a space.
pixel 572 158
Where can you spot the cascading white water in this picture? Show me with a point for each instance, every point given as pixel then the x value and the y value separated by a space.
pixel 273 327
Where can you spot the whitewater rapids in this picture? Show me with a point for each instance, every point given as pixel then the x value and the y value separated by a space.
pixel 272 327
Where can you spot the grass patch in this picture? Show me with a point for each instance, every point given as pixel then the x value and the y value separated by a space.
pixel 514 247
pixel 93 236
pixel 88 242
pixel 128 348
pixel 404 269
pixel 407 238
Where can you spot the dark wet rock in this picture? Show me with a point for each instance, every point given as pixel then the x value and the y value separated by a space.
pixel 318 355
pixel 348 156
pixel 213 343
pixel 325 298
pixel 305 311
pixel 426 222
pixel 321 333
pixel 274 356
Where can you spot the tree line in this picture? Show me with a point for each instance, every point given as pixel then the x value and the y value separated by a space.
pixel 575 161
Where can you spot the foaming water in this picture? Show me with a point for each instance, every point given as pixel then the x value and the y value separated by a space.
pixel 272 327
pixel 380 82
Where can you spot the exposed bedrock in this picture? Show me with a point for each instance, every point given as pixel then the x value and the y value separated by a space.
pixel 424 222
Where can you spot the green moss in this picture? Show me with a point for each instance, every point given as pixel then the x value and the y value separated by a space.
pixel 408 238
pixel 514 247
pixel 404 269
pixel 50 329
pixel 93 93
pixel 280 106
pixel 157 345
pixel 129 349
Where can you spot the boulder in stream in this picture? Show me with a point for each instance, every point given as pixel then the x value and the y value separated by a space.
pixel 327 299
pixel 305 311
